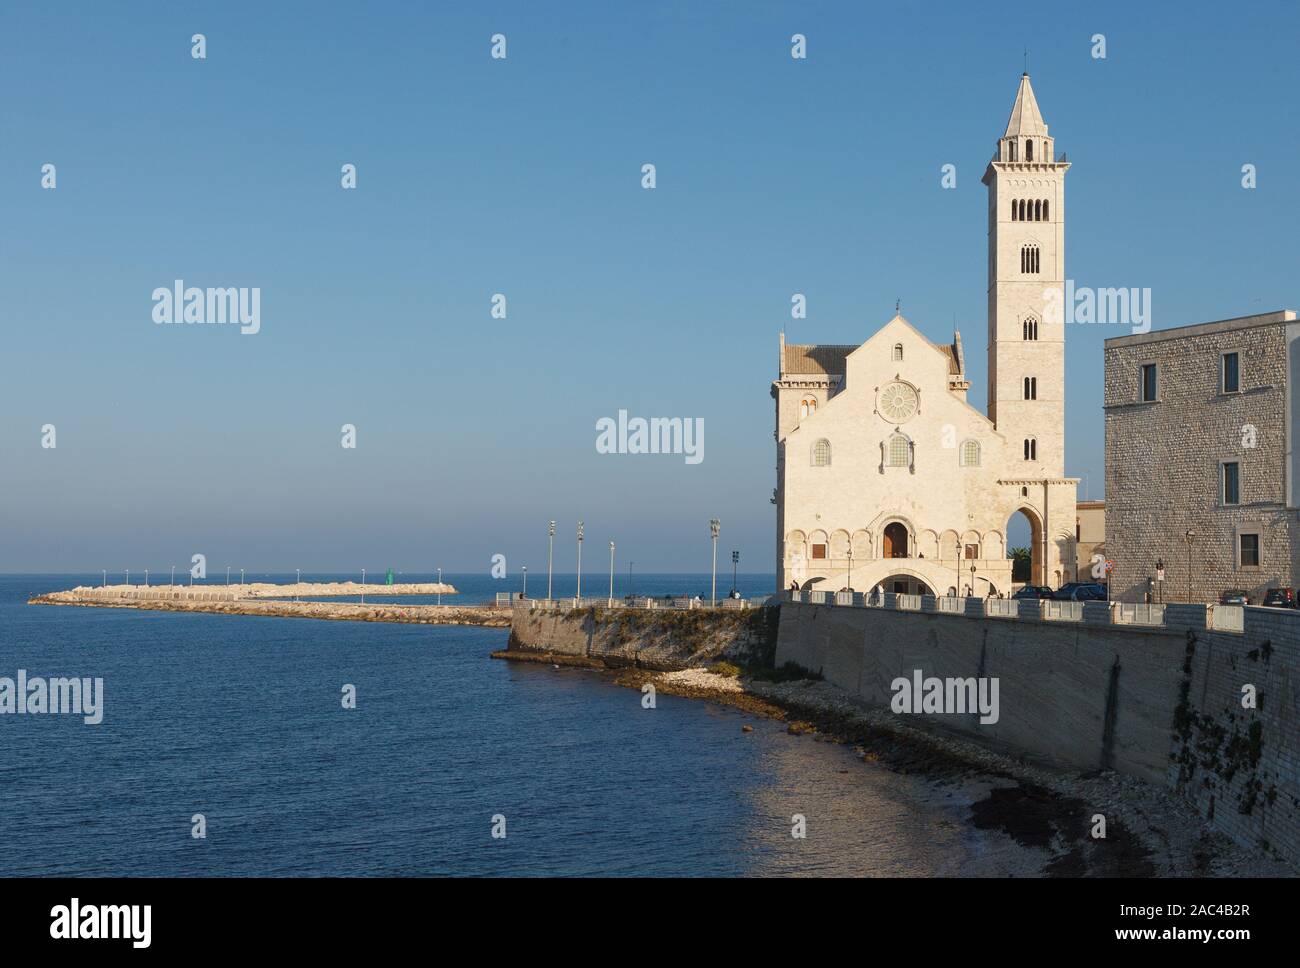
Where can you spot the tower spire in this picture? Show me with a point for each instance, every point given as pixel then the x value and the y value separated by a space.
pixel 1026 120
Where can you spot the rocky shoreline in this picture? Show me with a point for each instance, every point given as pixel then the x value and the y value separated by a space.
pixel 1150 832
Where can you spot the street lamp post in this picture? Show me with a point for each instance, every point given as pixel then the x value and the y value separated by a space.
pixel 850 582
pixel 579 595
pixel 611 574
pixel 227 574
pixel 241 576
pixel 172 580
pixel 525 595
pixel 363 586
pixel 735 560
pixel 146 578
pixel 550 552
pixel 714 526
pixel 972 580
pixel 439 586
pixel 629 578
pixel 105 571
pixel 128 577
pixel 297 583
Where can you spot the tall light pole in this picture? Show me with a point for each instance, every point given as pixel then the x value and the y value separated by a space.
pixel 227 574
pixel 172 580
pixel 241 576
pixel 105 571
pixel 714 526
pixel 297 583
pixel 363 586
pixel 128 571
pixel 611 574
pixel 439 586
pixel 579 595
pixel 629 578
pixel 735 561
pixel 550 550
pixel 972 580
pixel 146 578
pixel 525 581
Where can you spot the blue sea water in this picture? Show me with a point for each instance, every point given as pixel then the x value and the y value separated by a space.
pixel 239 718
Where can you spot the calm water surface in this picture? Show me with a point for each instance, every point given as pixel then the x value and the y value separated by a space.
pixel 239 718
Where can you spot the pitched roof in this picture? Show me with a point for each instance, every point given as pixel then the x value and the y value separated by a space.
pixel 828 360
pixel 1026 120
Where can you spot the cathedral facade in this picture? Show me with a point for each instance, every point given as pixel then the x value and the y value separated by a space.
pixel 886 475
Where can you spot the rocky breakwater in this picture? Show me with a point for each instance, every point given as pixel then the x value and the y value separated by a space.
pixel 225 600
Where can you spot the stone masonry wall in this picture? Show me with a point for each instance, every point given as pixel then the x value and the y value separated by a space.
pixel 1163 704
pixel 1162 463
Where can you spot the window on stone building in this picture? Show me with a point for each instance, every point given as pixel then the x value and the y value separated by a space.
pixel 1249 553
pixel 1029 151
pixel 1029 261
pixel 1031 448
pixel 1231 482
pixel 898 352
pixel 1231 372
pixel 822 453
pixel 807 407
pixel 1149 386
pixel 1011 147
pixel 970 453
pixel 819 551
pixel 972 552
pixel 1029 329
pixel 1046 217
pixel 1038 210
pixel 1015 210
pixel 1031 388
pixel 898 451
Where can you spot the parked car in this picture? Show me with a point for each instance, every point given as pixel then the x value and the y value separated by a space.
pixel 1234 596
pixel 1033 591
pixel 1280 598
pixel 1089 592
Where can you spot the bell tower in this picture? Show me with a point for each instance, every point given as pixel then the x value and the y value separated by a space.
pixel 1026 186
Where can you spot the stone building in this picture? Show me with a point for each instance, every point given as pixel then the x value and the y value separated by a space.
pixel 885 473
pixel 1089 540
pixel 1201 475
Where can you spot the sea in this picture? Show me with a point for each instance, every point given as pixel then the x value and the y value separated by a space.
pixel 447 763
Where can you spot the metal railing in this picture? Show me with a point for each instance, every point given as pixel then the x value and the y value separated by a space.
pixel 1228 618
pixel 950 603
pixel 1132 613
pixel 1002 607
pixel 1054 611
pixel 908 603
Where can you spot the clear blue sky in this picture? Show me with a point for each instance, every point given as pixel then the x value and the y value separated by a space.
pixel 522 176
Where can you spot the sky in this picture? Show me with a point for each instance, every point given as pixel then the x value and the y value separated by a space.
pixel 523 176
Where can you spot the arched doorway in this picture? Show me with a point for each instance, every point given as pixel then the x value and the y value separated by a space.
pixel 1025 547
pixel 904 584
pixel 895 542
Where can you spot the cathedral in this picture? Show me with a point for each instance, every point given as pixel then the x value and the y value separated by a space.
pixel 886 475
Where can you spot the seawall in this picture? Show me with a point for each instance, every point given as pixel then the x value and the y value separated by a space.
pixel 657 639
pixel 1163 703
pixel 487 615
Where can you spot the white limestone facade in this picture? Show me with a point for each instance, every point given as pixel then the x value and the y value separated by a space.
pixel 886 475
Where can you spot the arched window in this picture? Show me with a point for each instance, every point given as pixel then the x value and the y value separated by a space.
pixel 1031 388
pixel 898 445
pixel 1029 259
pixel 1038 210
pixel 821 456
pixel 1022 210
pixel 1029 329
pixel 1029 150
pixel 807 407
pixel 970 453
pixel 894 542
pixel 1031 448
pixel 898 352
pixel 1011 146
pixel 1015 206
pixel 1046 217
